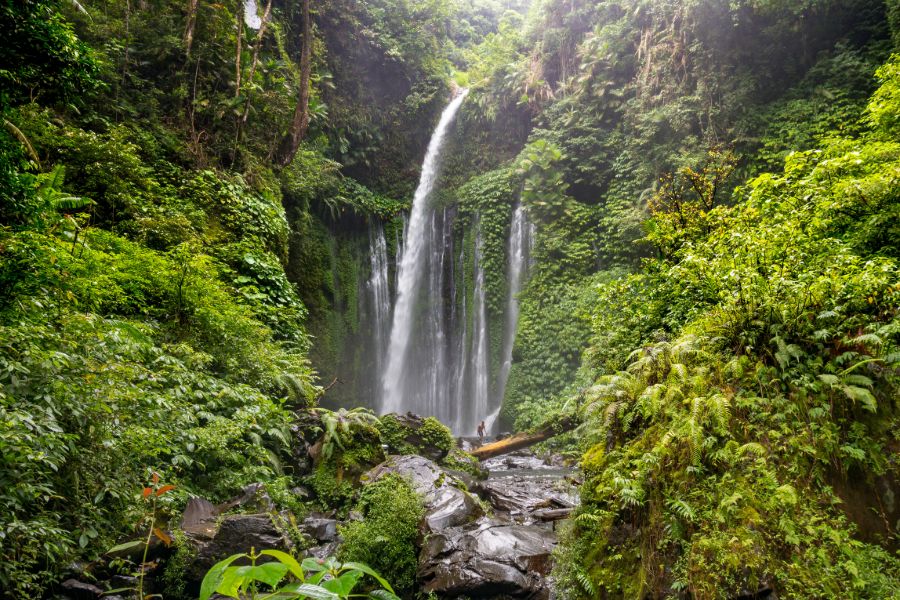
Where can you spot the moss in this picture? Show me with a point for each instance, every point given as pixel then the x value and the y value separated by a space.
pixel 332 490
pixel 428 439
pixel 393 435
pixel 336 477
pixel 459 460
pixel 175 574
pixel 436 434
pixel 386 537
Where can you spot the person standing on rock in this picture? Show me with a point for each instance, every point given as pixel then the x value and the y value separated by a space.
pixel 481 429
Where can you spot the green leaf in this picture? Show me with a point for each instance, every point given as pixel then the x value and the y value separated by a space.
pixel 343 585
pixel 313 564
pixel 125 546
pixel 306 590
pixel 269 573
pixel 368 571
pixel 214 576
pixel 861 395
pixel 286 559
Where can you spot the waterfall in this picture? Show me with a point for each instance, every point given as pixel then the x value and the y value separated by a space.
pixel 251 15
pixel 379 293
pixel 521 237
pixel 480 364
pixel 415 380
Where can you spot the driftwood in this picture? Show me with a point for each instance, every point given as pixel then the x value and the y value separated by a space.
pixel 524 440
pixel 552 514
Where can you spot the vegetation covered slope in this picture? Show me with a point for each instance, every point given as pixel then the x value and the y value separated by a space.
pixel 734 452
pixel 592 103
pixel 150 315
pixel 165 283
pixel 733 354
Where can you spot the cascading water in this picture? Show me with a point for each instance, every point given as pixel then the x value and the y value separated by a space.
pixel 521 236
pixel 416 380
pixel 251 14
pixel 379 294
pixel 480 366
pixel 437 349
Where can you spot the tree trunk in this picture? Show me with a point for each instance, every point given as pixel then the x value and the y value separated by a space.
pixel 238 49
pixel 524 440
pixel 300 122
pixel 189 27
pixel 264 23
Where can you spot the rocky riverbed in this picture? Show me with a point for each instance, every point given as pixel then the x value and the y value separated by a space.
pixel 479 538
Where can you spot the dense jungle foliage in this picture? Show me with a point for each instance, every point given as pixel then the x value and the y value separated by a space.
pixel 714 291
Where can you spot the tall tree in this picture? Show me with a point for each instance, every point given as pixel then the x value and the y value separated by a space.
pixel 189 27
pixel 300 121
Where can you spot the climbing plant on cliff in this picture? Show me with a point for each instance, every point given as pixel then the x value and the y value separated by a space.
pixel 720 460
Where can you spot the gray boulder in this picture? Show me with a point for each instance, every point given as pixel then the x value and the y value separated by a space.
pixel 524 496
pixel 488 559
pixel 235 534
pixel 447 503
pixel 320 528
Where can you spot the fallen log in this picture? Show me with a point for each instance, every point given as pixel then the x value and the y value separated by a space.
pixel 552 514
pixel 524 440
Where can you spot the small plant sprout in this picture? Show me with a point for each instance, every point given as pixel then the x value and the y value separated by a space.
pixel 150 495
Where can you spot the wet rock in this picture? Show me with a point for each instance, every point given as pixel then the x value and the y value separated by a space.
pixel 524 495
pixel 488 559
pixel 515 462
pixel 307 431
pixel 446 503
pixel 79 590
pixel 412 433
pixel 319 528
pixel 253 498
pixel 323 551
pixel 199 518
pixel 237 534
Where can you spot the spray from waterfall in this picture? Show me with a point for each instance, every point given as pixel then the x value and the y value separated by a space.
pixel 403 388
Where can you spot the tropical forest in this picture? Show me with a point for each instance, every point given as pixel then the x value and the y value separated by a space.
pixel 449 299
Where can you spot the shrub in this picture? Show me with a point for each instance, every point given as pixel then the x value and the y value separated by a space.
pixel 386 537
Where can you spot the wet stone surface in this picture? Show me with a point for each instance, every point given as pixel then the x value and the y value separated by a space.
pixel 488 559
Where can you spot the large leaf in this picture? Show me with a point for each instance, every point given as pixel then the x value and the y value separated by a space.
pixel 383 595
pixel 343 585
pixel 286 559
pixel 313 564
pixel 235 577
pixel 214 576
pixel 125 546
pixel 368 571
pixel 306 590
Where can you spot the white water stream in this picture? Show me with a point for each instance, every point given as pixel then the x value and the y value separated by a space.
pixel 396 394
pixel 432 344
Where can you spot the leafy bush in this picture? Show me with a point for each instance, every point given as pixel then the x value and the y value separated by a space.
pixel 386 537
pixel 320 579
pixel 715 462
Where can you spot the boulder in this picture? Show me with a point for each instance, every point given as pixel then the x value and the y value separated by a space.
pixel 488 559
pixel 323 551
pixel 447 503
pixel 236 534
pixel 79 590
pixel 525 495
pixel 411 433
pixel 320 528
